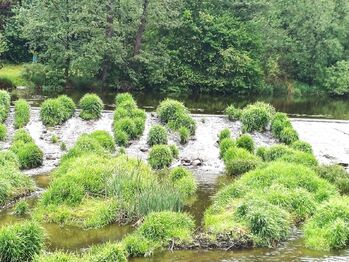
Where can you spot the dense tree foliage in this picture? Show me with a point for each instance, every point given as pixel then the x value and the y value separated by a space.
pixel 183 45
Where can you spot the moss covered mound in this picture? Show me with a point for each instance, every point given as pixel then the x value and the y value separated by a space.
pixel 265 203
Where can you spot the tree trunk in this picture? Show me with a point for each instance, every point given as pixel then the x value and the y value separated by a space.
pixel 108 34
pixel 141 29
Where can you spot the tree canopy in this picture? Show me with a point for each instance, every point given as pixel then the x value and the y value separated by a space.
pixel 225 46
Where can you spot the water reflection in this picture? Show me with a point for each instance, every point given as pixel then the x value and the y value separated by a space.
pixel 309 105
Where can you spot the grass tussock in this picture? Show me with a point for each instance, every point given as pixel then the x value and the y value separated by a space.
pixel 22 113
pixel 265 203
pixel 129 120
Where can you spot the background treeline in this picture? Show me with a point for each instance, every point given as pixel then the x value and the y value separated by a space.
pixel 225 46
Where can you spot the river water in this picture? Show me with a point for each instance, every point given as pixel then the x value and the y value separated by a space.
pixel 209 173
pixel 315 106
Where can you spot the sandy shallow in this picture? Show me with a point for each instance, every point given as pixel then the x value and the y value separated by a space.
pixel 329 138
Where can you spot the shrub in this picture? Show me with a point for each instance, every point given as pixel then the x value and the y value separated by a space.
pixel 21 208
pixel 121 137
pixel 336 175
pixel 302 146
pixel 225 133
pixel 22 113
pixel 337 80
pixel 157 135
pixel 3 132
pixel 184 135
pixel 160 156
pixel 245 141
pixel 28 153
pixel 233 113
pixel 21 242
pixel 108 252
pixel 5 101
pixel 328 228
pixel 224 145
pixel 288 135
pixel 104 139
pixel 91 107
pixel 256 117
pixel 238 161
pixel 279 122
pixel 169 109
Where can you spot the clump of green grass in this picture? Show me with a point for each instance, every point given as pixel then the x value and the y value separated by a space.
pixel 176 115
pixel 328 228
pixel 282 129
pixel 160 156
pixel 246 141
pixel 238 161
pixel 63 146
pixel 183 181
pixel 28 153
pixel 336 175
pixel 129 120
pixel 13 183
pixel 91 188
pixel 57 111
pixel 22 113
pixel 5 101
pixel 266 203
pixel 225 133
pixel 158 230
pixel 302 146
pixel 233 113
pixel 184 135
pixel 3 132
pixel 91 107
pixel 104 139
pixel 21 242
pixel 224 145
pixel 109 252
pixel 157 136
pixel 285 153
pixel 21 208
pixel 256 117
pixel 54 139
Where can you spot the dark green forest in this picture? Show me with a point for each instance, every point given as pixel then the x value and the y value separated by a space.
pixel 221 46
